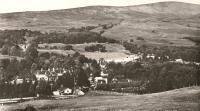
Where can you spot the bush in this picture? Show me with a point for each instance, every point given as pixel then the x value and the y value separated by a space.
pixel 53 47
pixel 68 47
pixel 94 48
pixel 29 108
pixel 140 38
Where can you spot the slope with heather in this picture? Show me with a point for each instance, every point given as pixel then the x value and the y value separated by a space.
pixel 164 23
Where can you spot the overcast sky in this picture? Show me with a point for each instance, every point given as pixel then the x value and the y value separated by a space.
pixel 40 5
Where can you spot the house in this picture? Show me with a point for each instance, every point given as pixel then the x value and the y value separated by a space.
pixel 151 56
pixel 179 61
pixel 19 81
pixel 103 74
pixel 50 74
pixel 101 80
pixel 41 76
pixel 24 46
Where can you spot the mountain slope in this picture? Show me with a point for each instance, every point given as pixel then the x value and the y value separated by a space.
pixel 175 8
pixel 164 23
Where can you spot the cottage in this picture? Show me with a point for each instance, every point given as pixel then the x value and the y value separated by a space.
pixel 41 76
pixel 101 80
pixel 19 81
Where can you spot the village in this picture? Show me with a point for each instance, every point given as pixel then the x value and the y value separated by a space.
pixel 104 56
pixel 51 75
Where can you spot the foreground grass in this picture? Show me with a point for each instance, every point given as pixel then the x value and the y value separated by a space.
pixel 184 99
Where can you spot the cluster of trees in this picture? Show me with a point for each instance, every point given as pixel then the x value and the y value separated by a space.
pixel 10 68
pixel 185 53
pixel 138 87
pixel 73 38
pixel 97 47
pixel 11 48
pixel 77 37
pixel 65 47
pixel 16 36
pixel 68 47
pixel 172 76
pixel 86 28
pixel 26 89
pixel 160 76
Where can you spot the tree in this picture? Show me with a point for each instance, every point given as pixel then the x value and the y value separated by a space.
pixel 76 54
pixel 31 54
pixel 45 55
pixel 33 68
pixel 43 88
pixel 94 48
pixel 5 49
pixel 68 47
pixel 66 80
pixel 15 51
pixel 82 79
pixel 82 59
pixel 12 69
pixel 95 68
pixel 198 67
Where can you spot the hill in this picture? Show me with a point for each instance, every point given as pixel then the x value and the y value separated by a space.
pixel 184 99
pixel 164 23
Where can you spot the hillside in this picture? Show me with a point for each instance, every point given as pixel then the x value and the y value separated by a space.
pixel 164 23
pixel 184 99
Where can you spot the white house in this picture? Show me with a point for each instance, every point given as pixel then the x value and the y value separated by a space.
pixel 179 61
pixel 41 76
pixel 24 46
pixel 19 81
pixel 103 74
pixel 101 80
pixel 152 56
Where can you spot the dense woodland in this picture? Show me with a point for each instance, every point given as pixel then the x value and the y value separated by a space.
pixel 153 77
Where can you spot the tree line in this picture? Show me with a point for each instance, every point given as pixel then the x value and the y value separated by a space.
pixel 18 37
pixel 185 53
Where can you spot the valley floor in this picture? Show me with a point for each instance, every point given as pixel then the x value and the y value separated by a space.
pixel 184 99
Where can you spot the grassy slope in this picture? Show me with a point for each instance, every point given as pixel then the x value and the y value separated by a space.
pixel 163 23
pixel 184 99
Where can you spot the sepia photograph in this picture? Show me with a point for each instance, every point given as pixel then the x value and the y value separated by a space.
pixel 99 55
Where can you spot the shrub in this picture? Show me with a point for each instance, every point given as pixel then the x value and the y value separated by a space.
pixel 68 47
pixel 94 48
pixel 140 38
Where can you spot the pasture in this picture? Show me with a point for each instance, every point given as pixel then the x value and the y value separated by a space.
pixel 184 99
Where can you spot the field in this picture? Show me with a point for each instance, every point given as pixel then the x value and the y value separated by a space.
pixel 184 99
pixel 114 51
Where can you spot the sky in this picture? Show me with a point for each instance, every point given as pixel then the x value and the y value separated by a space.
pixel 7 6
